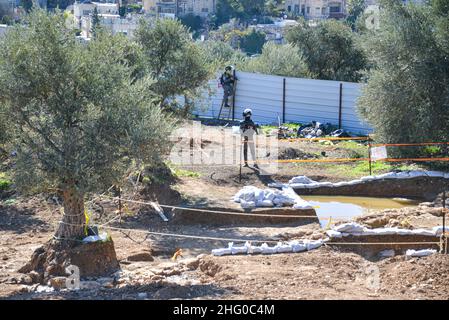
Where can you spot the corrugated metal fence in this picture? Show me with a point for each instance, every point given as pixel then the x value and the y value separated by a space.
pixel 291 99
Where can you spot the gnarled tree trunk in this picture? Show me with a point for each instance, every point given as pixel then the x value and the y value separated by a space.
pixel 73 221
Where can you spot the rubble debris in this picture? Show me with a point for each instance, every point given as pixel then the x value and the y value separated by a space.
pixel 315 130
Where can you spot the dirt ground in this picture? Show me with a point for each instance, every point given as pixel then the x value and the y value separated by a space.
pixel 148 272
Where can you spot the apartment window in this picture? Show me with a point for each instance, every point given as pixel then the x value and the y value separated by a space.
pixel 323 11
pixel 296 8
pixel 205 10
pixel 86 12
pixel 334 9
pixel 289 8
pixel 317 11
pixel 308 10
pixel 303 9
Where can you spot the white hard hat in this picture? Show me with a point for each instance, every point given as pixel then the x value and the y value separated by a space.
pixel 247 111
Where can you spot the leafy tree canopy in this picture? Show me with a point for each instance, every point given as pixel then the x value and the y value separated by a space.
pixel 281 60
pixel 406 98
pixel 330 50
pixel 77 118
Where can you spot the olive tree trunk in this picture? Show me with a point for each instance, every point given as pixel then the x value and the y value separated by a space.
pixel 73 220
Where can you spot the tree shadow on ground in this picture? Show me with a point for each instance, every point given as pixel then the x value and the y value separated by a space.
pixel 19 220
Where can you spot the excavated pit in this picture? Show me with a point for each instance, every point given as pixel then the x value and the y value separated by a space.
pixel 254 217
pixel 422 188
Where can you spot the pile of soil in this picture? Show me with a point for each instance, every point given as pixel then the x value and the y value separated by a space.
pixel 418 277
pixel 292 153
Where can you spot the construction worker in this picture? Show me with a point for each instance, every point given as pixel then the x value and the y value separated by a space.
pixel 227 81
pixel 247 130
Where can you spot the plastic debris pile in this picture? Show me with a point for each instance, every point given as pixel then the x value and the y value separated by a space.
pixel 95 238
pixel 316 129
pixel 252 197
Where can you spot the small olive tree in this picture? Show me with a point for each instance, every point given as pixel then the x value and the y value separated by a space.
pixel 171 58
pixel 76 116
pixel 406 98
pixel 330 50
pixel 281 60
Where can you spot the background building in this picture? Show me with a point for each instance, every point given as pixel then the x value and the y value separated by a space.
pixel 316 9
pixel 178 8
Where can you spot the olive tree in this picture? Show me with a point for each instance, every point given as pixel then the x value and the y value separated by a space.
pixel 76 115
pixel 406 98
pixel 171 58
pixel 281 60
pixel 219 53
pixel 330 50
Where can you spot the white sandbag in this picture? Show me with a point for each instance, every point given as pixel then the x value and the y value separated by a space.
pixel 384 231
pixel 420 253
pixel 221 252
pixel 325 184
pixel 265 203
pixel 437 174
pixel 247 204
pixel 368 178
pixel 252 249
pixel 423 232
pixel 267 249
pixel 303 205
pixel 301 179
pixel 415 174
pixel 439 230
pixel 313 244
pixel 350 227
pixel 269 195
pixel 297 185
pixel 403 175
pixel 387 175
pixel 334 234
pixel 283 248
pixel 239 249
pixel 341 184
pixel 101 237
pixel 354 182
pixel 297 246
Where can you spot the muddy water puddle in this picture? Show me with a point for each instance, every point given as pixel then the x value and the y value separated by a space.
pixel 344 207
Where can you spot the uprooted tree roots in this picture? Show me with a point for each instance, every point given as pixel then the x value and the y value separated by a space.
pixel 52 259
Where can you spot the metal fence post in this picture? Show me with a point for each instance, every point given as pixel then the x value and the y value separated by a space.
pixel 340 105
pixel 283 100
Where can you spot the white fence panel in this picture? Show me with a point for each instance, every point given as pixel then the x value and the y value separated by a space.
pixel 305 100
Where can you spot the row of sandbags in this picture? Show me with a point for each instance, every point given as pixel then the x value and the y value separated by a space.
pixel 280 247
pixel 305 182
pixel 355 229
